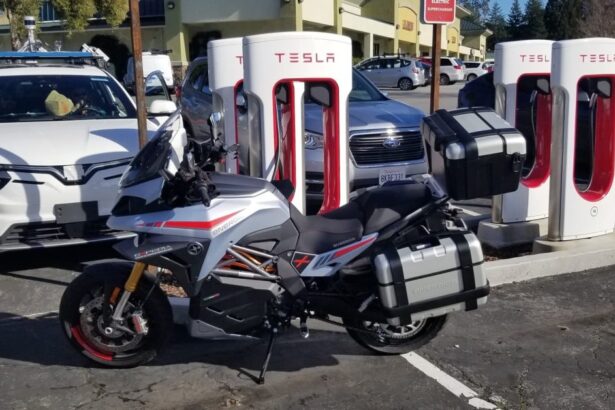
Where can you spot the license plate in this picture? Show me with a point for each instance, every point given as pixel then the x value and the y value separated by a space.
pixel 388 175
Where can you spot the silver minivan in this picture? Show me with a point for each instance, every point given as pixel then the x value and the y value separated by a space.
pixel 400 72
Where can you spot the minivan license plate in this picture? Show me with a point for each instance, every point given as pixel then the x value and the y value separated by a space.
pixel 394 174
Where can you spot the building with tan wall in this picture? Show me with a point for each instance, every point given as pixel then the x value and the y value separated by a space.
pixel 185 26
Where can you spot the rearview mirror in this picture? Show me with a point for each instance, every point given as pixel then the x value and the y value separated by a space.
pixel 320 94
pixel 543 86
pixel 281 94
pixel 215 122
pixel 603 87
pixel 240 103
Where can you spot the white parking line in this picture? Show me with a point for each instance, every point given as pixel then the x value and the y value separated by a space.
pixel 448 382
pixel 23 317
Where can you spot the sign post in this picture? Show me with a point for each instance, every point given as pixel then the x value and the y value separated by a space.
pixel 436 12
pixel 137 54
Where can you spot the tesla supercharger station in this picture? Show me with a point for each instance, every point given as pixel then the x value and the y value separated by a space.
pixel 582 196
pixel 279 68
pixel 523 98
pixel 225 58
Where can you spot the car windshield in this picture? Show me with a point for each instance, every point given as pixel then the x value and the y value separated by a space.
pixel 363 89
pixel 62 97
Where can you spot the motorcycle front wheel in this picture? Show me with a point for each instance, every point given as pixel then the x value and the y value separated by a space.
pixel 383 338
pixel 86 322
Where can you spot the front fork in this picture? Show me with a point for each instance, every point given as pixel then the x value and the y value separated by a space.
pixel 129 287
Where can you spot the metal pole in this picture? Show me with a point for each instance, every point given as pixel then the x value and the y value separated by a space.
pixel 137 58
pixel 434 102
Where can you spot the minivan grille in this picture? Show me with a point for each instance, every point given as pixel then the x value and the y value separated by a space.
pixel 370 149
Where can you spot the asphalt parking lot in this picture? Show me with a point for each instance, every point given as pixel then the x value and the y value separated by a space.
pixel 542 344
pixel 545 344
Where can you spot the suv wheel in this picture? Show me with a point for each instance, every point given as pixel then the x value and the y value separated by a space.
pixel 444 80
pixel 405 84
pixel 471 77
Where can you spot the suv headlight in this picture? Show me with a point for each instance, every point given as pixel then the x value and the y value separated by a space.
pixel 313 140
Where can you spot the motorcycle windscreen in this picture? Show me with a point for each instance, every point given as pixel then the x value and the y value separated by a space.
pixel 165 151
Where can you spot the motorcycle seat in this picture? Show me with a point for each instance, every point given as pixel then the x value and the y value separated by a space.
pixel 389 203
pixel 322 233
pixel 371 211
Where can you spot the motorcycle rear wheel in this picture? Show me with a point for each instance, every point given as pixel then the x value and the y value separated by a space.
pixel 84 325
pixel 386 339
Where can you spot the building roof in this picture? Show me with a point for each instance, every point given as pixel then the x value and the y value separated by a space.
pixel 470 28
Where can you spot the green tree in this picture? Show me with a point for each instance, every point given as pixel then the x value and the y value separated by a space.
pixel 77 12
pixel 15 11
pixel 598 18
pixel 496 22
pixel 534 16
pixel 515 22
pixel 114 11
pixel 563 18
pixel 479 9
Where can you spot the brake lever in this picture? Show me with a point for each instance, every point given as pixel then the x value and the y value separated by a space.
pixel 203 191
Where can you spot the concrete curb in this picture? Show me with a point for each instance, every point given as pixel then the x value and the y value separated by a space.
pixel 542 265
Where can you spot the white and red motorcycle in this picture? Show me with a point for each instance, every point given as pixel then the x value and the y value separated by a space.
pixel 388 266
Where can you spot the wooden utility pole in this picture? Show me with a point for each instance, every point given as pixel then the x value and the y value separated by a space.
pixel 436 52
pixel 137 58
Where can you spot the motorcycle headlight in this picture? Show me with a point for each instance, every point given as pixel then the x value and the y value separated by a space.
pixel 313 140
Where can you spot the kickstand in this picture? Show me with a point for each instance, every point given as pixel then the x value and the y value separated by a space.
pixel 273 334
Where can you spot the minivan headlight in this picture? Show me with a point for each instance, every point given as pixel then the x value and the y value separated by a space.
pixel 313 140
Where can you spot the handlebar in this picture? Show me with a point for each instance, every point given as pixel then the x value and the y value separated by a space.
pixel 203 190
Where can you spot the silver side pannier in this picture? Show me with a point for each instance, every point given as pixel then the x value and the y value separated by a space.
pixel 437 275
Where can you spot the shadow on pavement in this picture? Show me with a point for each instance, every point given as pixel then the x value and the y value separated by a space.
pixel 70 258
pixel 41 341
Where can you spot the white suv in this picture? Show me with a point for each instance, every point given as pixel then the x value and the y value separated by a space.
pixel 451 69
pixel 67 131
pixel 476 69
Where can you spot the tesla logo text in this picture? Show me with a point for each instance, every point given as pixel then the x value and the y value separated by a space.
pixel 305 57
pixel 239 59
pixel 535 58
pixel 597 58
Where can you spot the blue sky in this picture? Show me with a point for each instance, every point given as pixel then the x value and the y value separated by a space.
pixel 506 5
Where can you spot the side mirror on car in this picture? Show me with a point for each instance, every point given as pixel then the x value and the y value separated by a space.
pixel 161 107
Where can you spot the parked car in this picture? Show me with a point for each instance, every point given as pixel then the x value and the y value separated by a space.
pixel 385 140
pixel 67 132
pixel 451 69
pixel 475 69
pixel 404 73
pixel 479 92
pixel 427 72
pixel 195 99
pixel 152 61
